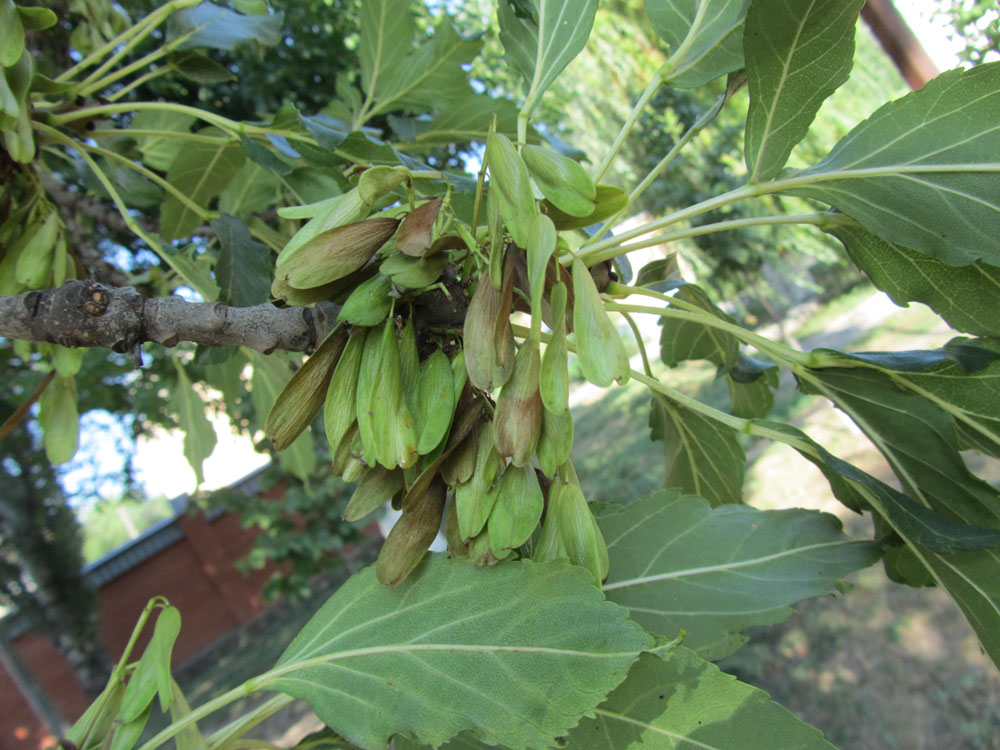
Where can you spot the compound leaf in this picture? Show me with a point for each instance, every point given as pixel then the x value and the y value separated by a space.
pixel 681 340
pixel 681 702
pixel 965 296
pixel 705 37
pixel 702 456
pixel 799 52
pixel 923 171
pixel 244 264
pixel 542 41
pixel 716 572
pixel 222 28
pixel 517 653
pixel 199 435
pixel 386 38
pixel 200 171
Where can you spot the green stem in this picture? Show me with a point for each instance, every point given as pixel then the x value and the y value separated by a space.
pixel 637 334
pixel 240 691
pixel 138 82
pixel 747 191
pixel 745 426
pixel 128 39
pixel 150 175
pixel 800 180
pixel 591 257
pixel 116 198
pixel 150 133
pixel 94 82
pixel 119 670
pixel 151 21
pixel 783 354
pixel 247 721
pixel 686 138
pixel 224 123
pixel 231 127
pixel 681 399
pixel 626 128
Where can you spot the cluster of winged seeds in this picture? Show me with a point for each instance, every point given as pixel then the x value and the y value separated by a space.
pixel 432 397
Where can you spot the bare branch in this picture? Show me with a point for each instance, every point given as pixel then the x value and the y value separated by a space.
pixel 86 313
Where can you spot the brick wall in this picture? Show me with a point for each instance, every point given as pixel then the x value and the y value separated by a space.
pixel 193 569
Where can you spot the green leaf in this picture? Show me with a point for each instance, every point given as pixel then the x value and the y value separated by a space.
pixel 11 34
pixel 923 171
pixel 188 738
pixel 199 435
pixel 265 157
pixel 540 47
pixel 136 190
pixel 962 378
pixel 965 296
pixel 656 273
pixel 194 269
pixel 678 565
pixel 243 270
pixel 702 455
pixel 429 76
pixel 360 146
pixel 200 171
pixel 969 575
pixel 915 434
pixel 466 119
pixel 517 652
pixel 222 28
pixel 705 38
pixel 59 418
pixel 386 38
pixel 200 68
pixel 159 151
pixel 913 521
pixel 253 189
pixel 684 702
pixel 311 184
pixel 918 439
pixel 751 386
pixel 798 52
pixel 37 19
pixel 152 674
pixel 681 340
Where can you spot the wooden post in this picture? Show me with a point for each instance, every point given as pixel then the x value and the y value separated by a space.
pixel 899 42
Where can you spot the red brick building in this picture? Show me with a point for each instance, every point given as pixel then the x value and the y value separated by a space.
pixel 188 559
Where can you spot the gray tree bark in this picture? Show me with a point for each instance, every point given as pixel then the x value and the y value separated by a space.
pixel 86 313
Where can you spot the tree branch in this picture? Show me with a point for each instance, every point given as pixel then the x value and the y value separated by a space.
pixel 86 313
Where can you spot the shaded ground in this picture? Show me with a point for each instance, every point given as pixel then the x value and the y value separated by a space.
pixel 883 667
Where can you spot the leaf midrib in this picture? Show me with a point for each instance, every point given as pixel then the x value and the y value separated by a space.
pixel 726 567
